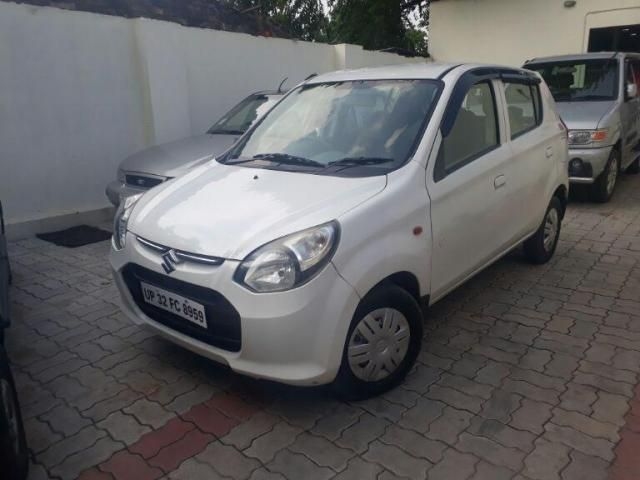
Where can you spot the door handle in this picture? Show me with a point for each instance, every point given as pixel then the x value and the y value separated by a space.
pixel 499 182
pixel 549 152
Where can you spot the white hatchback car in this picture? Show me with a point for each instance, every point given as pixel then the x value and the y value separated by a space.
pixel 304 254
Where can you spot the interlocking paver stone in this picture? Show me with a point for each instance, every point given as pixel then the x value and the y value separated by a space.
pixel 546 461
pixel 228 461
pixel 294 465
pixel 413 443
pixel 449 425
pixel 358 436
pixel 358 469
pixel 321 451
pixel 454 464
pixel 266 447
pixel 396 460
pixel 124 428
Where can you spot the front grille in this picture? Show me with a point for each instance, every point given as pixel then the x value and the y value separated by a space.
pixel 223 320
pixel 181 255
pixel 141 181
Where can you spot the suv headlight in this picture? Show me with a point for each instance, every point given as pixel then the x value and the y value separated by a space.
pixel 121 220
pixel 585 137
pixel 290 261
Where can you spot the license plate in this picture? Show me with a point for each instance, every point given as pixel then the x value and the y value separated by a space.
pixel 176 304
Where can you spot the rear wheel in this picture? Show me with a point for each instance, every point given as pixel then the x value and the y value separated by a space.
pixel 540 247
pixel 602 189
pixel 14 457
pixel 382 344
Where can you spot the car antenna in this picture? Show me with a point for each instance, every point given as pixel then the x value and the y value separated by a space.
pixel 281 84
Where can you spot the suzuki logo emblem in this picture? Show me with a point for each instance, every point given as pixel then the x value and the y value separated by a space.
pixel 169 261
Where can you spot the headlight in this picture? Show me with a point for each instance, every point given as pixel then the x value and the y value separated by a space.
pixel 121 219
pixel 585 137
pixel 290 261
pixel 121 176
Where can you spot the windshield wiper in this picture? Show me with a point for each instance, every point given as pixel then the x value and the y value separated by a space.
pixel 280 159
pixel 221 131
pixel 586 98
pixel 359 161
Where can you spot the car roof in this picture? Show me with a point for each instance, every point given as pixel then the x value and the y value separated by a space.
pixel 431 70
pixel 580 56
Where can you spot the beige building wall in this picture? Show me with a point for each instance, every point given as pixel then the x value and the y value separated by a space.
pixel 512 31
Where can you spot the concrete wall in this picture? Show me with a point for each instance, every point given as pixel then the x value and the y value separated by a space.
pixel 80 91
pixel 512 31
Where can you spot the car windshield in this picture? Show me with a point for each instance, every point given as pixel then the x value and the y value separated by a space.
pixel 580 81
pixel 360 126
pixel 243 115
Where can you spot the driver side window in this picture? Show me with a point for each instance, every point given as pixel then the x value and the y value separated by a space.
pixel 475 131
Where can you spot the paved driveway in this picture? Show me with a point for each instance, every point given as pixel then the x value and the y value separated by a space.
pixel 526 372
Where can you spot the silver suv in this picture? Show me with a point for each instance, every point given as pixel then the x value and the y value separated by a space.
pixel 597 98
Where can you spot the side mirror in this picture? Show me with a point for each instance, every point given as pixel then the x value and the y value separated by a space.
pixel 632 90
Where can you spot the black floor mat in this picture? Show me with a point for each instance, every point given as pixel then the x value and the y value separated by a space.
pixel 76 236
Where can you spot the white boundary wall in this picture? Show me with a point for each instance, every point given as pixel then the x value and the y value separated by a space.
pixel 80 91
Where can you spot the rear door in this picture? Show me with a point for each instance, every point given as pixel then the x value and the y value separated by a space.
pixel 534 146
pixel 470 211
pixel 4 275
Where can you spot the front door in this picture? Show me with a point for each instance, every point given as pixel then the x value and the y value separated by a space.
pixel 468 191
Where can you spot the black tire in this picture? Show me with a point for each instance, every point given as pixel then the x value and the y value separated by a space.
pixel 600 190
pixel 350 386
pixel 634 168
pixel 14 456
pixel 535 248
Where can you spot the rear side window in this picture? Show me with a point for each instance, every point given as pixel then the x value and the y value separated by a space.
pixel 475 130
pixel 524 107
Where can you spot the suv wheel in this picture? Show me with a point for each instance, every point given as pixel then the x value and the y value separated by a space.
pixel 542 245
pixel 382 344
pixel 605 184
pixel 14 457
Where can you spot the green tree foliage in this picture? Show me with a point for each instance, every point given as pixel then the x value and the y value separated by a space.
pixel 379 24
pixel 302 19
pixel 374 24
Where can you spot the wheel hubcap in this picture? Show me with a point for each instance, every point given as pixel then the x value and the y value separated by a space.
pixel 8 410
pixel 612 176
pixel 550 229
pixel 378 344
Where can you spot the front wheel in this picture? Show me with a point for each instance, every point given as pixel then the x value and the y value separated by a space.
pixel 540 247
pixel 602 189
pixel 382 343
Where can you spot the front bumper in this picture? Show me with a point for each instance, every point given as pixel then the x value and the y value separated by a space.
pixel 593 160
pixel 294 337
pixel 116 191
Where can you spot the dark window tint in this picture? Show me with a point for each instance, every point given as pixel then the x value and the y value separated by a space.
pixel 580 81
pixel 242 116
pixel 475 130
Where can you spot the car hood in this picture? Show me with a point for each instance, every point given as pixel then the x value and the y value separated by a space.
pixel 229 211
pixel 583 115
pixel 175 158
